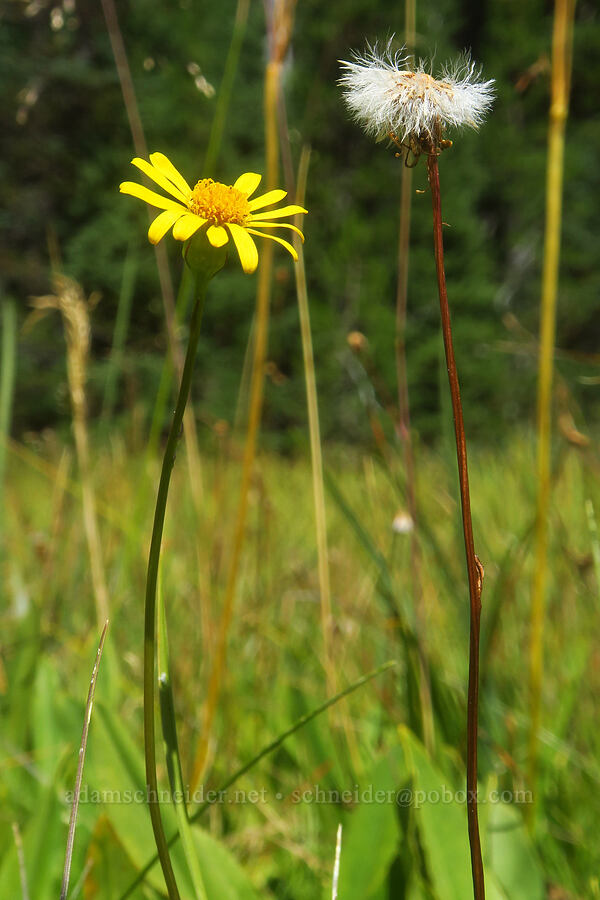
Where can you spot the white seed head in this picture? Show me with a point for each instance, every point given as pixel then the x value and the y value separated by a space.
pixel 385 95
pixel 403 523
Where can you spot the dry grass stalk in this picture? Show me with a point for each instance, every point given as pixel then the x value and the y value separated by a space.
pixel 75 311
pixel 562 46
pixel 81 759
pixel 162 264
pixel 280 20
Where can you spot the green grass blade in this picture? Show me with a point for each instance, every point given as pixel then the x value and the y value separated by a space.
pixel 7 382
pixel 385 586
pixel 169 728
pixel 231 64
pixel 402 613
pixel 21 860
pixel 77 792
pixel 270 748
pixel 593 530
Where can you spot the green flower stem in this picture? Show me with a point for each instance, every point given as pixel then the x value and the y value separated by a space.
pixel 151 585
pixel 270 748
pixel 169 729
pixel 186 287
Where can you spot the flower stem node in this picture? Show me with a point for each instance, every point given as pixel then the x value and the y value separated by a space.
pixel 222 212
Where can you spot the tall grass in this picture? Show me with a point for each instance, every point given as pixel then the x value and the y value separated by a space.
pixel 562 49
pixel 162 264
pixel 279 25
pixel 75 313
pixel 278 676
pixel 7 382
pixel 315 436
pixel 226 89
pixel 79 778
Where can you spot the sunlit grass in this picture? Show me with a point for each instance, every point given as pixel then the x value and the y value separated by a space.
pixel 276 673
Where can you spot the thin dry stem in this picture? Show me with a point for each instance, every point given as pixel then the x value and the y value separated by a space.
pixel 21 861
pixel 315 441
pixel 280 20
pixel 78 779
pixel 336 864
pixel 162 263
pixel 263 302
pixel 313 421
pixel 70 301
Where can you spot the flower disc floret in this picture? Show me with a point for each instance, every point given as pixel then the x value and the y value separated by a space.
pixel 219 203
pixel 224 211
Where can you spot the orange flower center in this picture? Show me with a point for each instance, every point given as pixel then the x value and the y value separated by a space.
pixel 417 84
pixel 219 203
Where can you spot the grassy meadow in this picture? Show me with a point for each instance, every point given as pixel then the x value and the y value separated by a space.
pixel 275 671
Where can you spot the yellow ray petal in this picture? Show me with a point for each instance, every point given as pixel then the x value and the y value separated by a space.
pixel 186 226
pixel 164 165
pixel 247 183
pixel 142 193
pixel 279 240
pixel 245 246
pixel 217 236
pixel 267 199
pixel 277 213
pixel 162 223
pixel 157 176
pixel 262 224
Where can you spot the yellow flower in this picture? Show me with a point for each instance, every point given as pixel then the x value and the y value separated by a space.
pixel 226 210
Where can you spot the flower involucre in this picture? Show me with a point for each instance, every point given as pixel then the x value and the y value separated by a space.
pixel 387 97
pixel 225 210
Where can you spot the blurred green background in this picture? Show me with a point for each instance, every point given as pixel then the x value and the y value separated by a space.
pixel 65 146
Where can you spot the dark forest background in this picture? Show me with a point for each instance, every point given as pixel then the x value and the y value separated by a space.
pixel 65 145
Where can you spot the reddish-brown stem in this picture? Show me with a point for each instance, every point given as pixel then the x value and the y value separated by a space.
pixel 474 568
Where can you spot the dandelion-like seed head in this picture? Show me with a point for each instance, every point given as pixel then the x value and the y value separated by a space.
pixel 389 98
